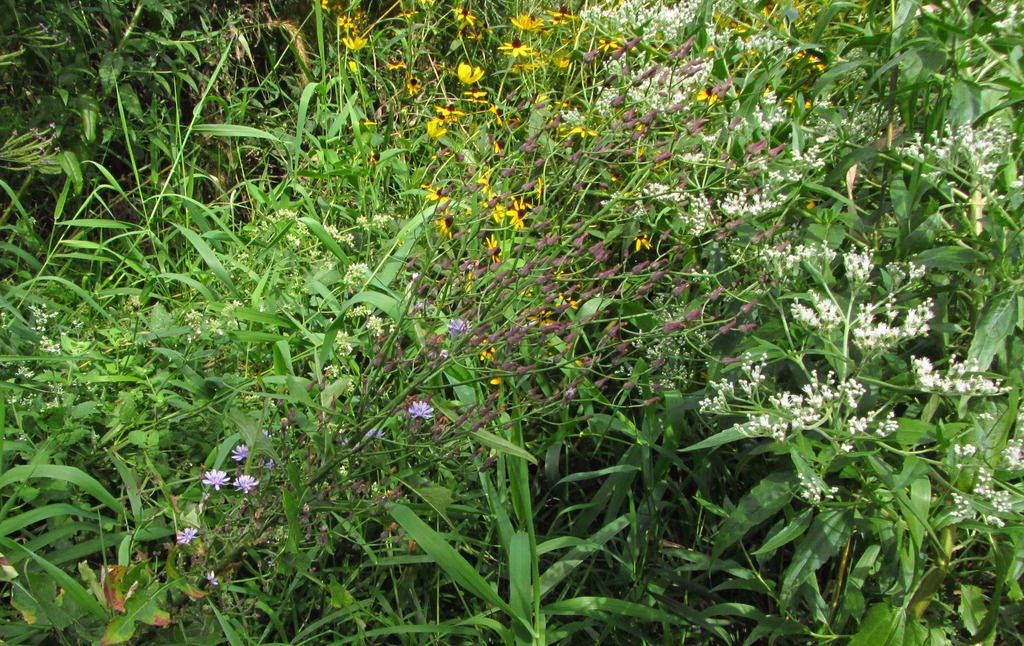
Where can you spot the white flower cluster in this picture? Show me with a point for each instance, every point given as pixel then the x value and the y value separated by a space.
pixel 888 425
pixel 958 380
pixel 984 487
pixel 769 113
pixel 743 205
pixel 652 85
pixel 789 413
pixel 1013 455
pixel 786 259
pixel 823 317
pixel 1012 21
pixel 981 150
pixel 761 43
pixel 694 212
pixel 658 23
pixel 858 267
pixel 356 276
pixel 874 335
pixel 814 490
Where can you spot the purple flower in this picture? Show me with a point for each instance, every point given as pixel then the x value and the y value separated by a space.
pixel 269 464
pixel 240 453
pixel 458 327
pixel 374 434
pixel 211 576
pixel 186 535
pixel 245 484
pixel 420 410
pixel 216 479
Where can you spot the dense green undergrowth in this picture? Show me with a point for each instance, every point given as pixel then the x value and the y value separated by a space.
pixel 656 322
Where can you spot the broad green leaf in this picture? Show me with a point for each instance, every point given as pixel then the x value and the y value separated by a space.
pixel 792 531
pixel 502 445
pixel 520 569
pixel 761 503
pixel 590 605
pixel 71 475
pixel 827 535
pixel 883 626
pixel 232 131
pixel 996 323
pixel 727 436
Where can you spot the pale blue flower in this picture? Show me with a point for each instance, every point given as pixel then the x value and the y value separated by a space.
pixel 245 484
pixel 216 479
pixel 420 410
pixel 240 453
pixel 186 535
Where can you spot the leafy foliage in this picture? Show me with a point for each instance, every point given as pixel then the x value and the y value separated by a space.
pixel 432 322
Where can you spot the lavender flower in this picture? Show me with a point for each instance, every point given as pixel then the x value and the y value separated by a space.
pixel 216 479
pixel 458 327
pixel 269 464
pixel 186 535
pixel 374 434
pixel 245 484
pixel 211 576
pixel 420 410
pixel 240 453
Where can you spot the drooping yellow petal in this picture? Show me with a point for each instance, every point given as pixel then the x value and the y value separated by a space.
pixel 469 74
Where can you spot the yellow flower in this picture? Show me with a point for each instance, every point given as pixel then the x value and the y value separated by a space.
pixel 413 84
pixel 354 43
pixel 608 45
pixel 347 24
pixel 495 381
pixel 520 208
pixel 581 131
pixel 561 62
pixel 469 74
pixel 397 65
pixel 496 111
pixel 475 96
pixel 561 16
pixel 498 213
pixel 432 194
pixel 435 128
pixel 709 97
pixel 444 226
pixel 517 49
pixel 465 17
pixel 526 22
pixel 642 242
pixel 487 354
pixel 448 113
pixel 352 67
pixel 492 248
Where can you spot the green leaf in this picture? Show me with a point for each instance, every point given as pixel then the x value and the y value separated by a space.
pixel 826 537
pixel 761 503
pixel 502 445
pixel 325 238
pixel 792 531
pixel 71 475
pixel 727 436
pixel 232 131
pixel 208 256
pixel 590 605
pixel 456 567
pixel 883 626
pixel 519 579
pixel 996 323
